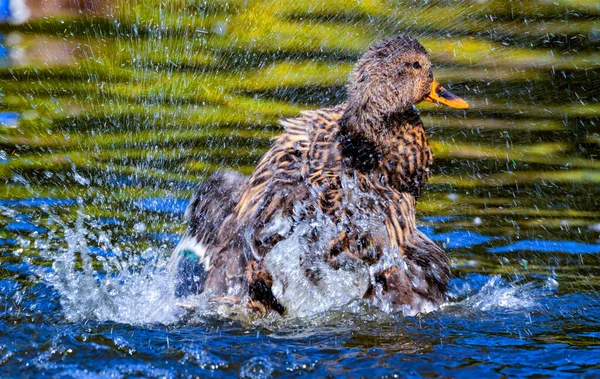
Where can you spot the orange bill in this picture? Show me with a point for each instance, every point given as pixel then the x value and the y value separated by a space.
pixel 440 95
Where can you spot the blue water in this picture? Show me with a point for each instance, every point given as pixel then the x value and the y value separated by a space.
pixel 571 247
pixel 514 309
pixel 7 118
pixel 541 333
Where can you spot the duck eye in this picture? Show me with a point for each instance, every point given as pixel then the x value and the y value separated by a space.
pixel 416 65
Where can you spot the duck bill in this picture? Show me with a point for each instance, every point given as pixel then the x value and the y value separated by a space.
pixel 440 95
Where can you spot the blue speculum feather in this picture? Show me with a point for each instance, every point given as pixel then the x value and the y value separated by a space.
pixel 107 124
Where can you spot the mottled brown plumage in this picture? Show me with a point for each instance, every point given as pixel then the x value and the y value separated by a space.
pixel 361 164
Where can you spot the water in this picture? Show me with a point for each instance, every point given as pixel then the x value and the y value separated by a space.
pixel 108 123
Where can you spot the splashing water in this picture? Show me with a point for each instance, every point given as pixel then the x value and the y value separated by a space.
pixel 138 288
pixel 290 261
pixel 482 293
pixel 131 289
pixel 497 294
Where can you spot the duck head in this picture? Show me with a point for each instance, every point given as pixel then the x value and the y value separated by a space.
pixel 390 77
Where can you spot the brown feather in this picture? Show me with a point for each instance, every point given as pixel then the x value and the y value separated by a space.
pixel 375 140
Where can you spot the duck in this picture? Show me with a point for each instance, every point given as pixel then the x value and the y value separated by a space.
pixel 342 183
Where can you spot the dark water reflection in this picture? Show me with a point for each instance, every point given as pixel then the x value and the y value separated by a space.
pixel 109 117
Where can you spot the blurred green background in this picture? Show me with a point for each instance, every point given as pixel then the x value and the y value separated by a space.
pixel 116 101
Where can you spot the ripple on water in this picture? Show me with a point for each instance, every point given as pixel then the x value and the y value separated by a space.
pixel 38 202
pixel 456 238
pixel 257 368
pixel 7 241
pixel 546 246
pixel 110 221
pixel 162 205
pixel 24 227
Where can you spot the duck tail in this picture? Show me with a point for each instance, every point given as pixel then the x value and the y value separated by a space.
pixel 419 286
pixel 434 264
pixel 210 205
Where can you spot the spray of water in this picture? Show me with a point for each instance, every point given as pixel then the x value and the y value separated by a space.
pixel 290 260
pixel 495 293
pixel 139 288
pixel 126 288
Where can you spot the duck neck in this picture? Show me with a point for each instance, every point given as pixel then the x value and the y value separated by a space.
pixel 367 136
pixel 393 147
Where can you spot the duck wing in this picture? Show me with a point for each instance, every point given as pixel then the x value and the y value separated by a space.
pixel 304 163
pixel 212 202
pixel 288 184
pixel 234 221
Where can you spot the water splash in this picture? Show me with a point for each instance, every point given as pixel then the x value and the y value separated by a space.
pixel 291 260
pixel 119 284
pixel 130 288
pixel 482 293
